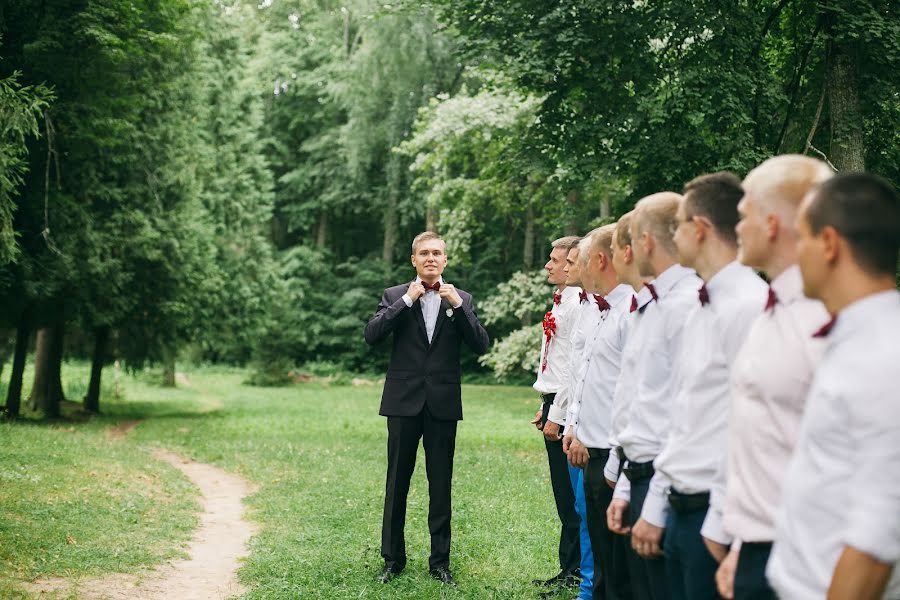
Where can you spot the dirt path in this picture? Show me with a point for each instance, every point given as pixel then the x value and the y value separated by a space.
pixel 214 554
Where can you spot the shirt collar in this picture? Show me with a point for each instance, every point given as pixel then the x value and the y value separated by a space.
pixel 620 293
pixel 789 285
pixel 643 296
pixel 668 278
pixel 419 279
pixel 856 316
pixel 726 276
pixel 571 290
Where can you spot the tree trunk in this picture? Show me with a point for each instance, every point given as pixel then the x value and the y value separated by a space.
pixel 14 391
pixel 430 218
pixel 573 198
pixel 847 151
pixel 605 211
pixel 528 242
pixel 322 233
pixel 47 392
pixel 390 231
pixel 92 398
pixel 169 369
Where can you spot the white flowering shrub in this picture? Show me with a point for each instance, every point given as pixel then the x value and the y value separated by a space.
pixel 517 355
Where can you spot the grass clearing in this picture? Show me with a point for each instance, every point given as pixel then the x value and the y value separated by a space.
pixel 316 453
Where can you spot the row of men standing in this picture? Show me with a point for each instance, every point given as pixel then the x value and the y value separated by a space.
pixel 713 435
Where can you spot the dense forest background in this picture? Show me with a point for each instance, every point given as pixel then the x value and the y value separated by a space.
pixel 235 182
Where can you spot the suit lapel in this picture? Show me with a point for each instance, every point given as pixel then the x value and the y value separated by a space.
pixel 417 315
pixel 440 319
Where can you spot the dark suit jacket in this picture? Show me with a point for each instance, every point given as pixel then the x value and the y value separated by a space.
pixel 422 374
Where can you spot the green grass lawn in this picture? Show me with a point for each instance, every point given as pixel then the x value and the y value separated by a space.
pixel 316 453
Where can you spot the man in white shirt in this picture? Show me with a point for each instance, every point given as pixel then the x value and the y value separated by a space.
pixel 554 385
pixel 838 530
pixel 589 420
pixel 587 319
pixel 714 330
pixel 658 339
pixel 769 378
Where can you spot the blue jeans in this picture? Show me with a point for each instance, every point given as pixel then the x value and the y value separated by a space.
pixel 576 475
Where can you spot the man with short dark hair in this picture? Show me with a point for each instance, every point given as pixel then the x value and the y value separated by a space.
pixel 838 530
pixel 714 330
pixel 429 319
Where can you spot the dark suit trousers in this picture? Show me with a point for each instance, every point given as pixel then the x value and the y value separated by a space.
pixel 691 568
pixel 611 580
pixel 570 533
pixel 750 581
pixel 439 440
pixel 648 576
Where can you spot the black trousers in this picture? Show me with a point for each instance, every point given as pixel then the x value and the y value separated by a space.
pixel 439 440
pixel 648 575
pixel 750 581
pixel 564 496
pixel 611 580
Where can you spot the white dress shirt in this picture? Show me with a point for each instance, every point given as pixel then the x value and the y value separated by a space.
pixel 626 385
pixel 430 302
pixel 586 319
pixel 556 378
pixel 769 382
pixel 843 483
pixel 713 334
pixel 658 339
pixel 590 411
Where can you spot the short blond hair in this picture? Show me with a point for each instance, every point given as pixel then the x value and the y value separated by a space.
pixel 568 242
pixel 780 183
pixel 601 239
pixel 424 237
pixel 623 230
pixel 655 214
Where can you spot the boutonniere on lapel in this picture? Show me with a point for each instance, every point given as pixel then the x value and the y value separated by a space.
pixel 449 313
pixel 549 332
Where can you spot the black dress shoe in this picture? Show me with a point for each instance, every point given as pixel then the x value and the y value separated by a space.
pixel 443 575
pixel 563 578
pixel 386 575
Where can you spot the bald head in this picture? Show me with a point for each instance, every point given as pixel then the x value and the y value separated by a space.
pixel 655 215
pixel 780 183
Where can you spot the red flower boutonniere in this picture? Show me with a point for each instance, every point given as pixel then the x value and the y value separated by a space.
pixel 549 332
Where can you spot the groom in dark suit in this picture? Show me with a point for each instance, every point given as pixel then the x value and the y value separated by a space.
pixel 430 319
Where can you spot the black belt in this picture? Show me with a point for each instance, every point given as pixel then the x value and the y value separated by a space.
pixel 598 453
pixel 684 503
pixel 639 471
pixel 548 398
pixel 621 454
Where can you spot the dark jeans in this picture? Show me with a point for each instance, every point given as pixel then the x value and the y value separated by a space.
pixel 691 568
pixel 750 581
pixel 611 581
pixel 570 533
pixel 648 575
pixel 439 441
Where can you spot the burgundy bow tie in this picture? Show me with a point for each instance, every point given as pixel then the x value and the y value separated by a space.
pixel 652 291
pixel 432 287
pixel 825 329
pixel 770 302
pixel 633 304
pixel 704 295
pixel 582 296
pixel 602 304
pixel 557 298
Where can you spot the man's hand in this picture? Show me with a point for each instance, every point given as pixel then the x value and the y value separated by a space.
pixel 718 551
pixel 551 432
pixel 725 574
pixel 610 483
pixel 536 421
pixel 449 293
pixel 578 454
pixel 646 539
pixel 415 291
pixel 615 516
pixel 567 442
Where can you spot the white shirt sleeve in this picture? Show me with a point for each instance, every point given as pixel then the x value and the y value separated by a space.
pixel 623 489
pixel 407 300
pixel 656 504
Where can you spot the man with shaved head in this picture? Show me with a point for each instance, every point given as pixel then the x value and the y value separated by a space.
pixel 588 423
pixel 770 377
pixel 673 293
